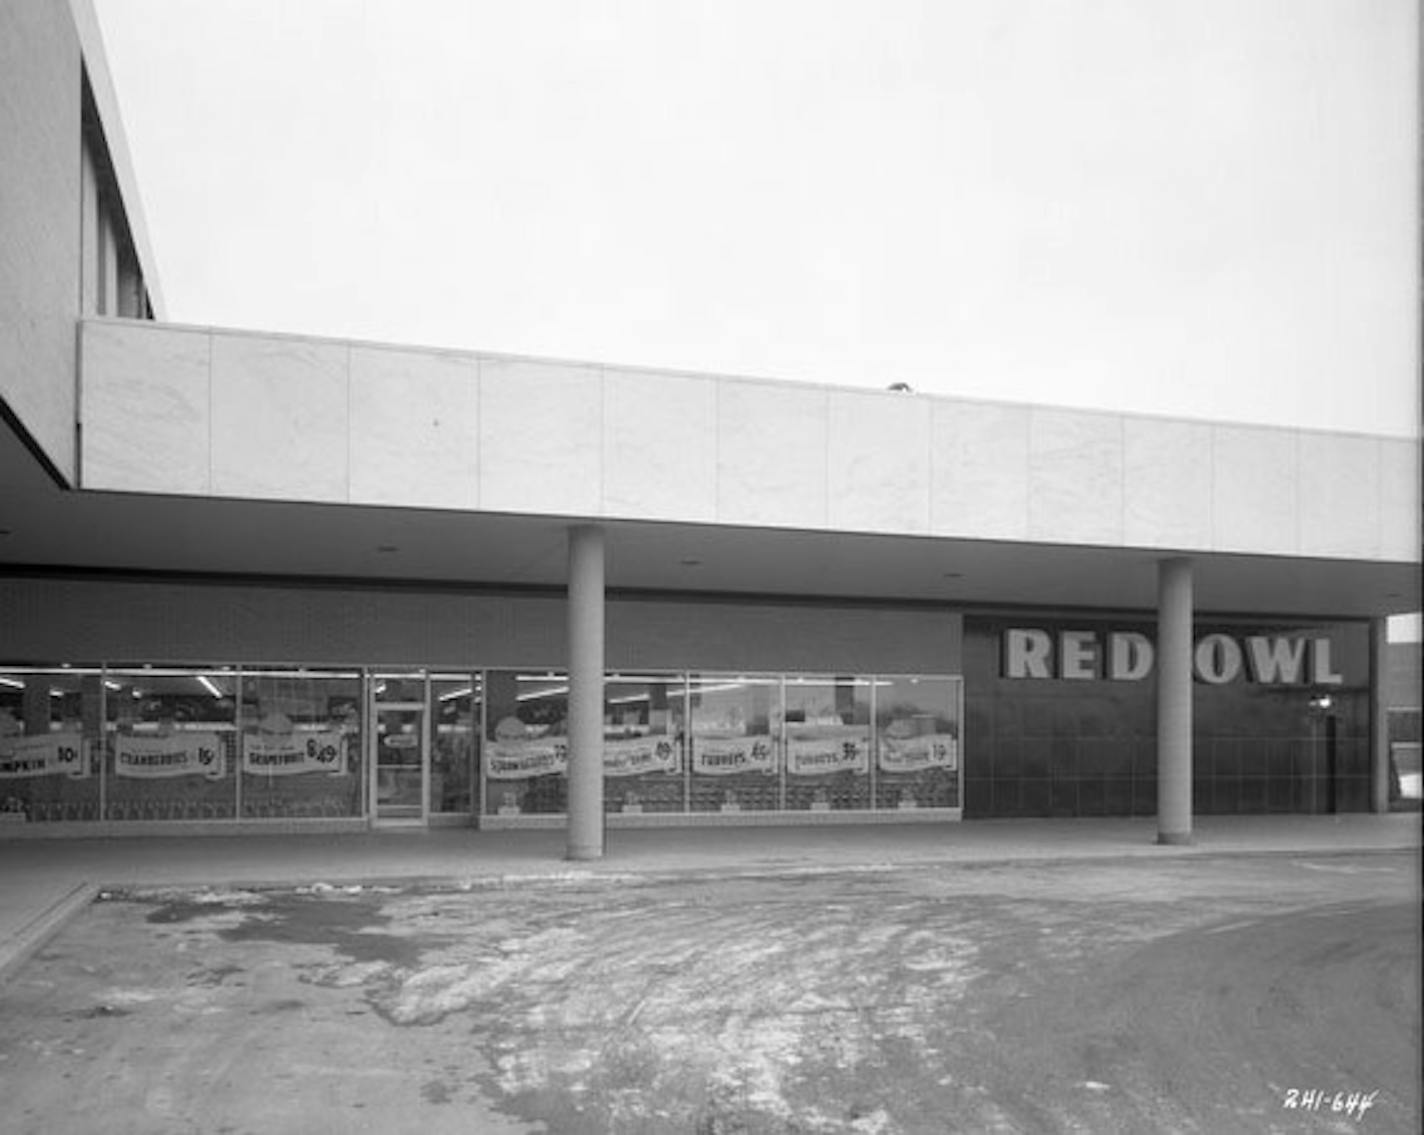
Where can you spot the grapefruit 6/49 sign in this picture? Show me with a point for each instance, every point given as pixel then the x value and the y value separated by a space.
pixel 290 755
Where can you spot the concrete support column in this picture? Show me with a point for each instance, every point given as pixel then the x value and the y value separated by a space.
pixel 585 831
pixel 1379 715
pixel 1174 701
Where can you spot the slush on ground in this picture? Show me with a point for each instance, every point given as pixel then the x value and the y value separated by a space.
pixel 1204 994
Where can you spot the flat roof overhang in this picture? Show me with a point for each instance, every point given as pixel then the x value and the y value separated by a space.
pixel 50 530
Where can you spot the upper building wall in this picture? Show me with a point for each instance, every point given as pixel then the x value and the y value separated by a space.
pixel 71 237
pixel 207 412
pixel 40 95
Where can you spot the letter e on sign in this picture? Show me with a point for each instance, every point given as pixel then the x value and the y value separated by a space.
pixel 1078 655
pixel 1026 654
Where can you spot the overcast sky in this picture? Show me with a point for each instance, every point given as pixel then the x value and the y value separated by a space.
pixel 1196 207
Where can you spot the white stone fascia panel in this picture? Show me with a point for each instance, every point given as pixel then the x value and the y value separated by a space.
pixel 979 463
pixel 1339 490
pixel 772 454
pixel 540 437
pixel 1399 509
pixel 414 428
pixel 1166 483
pixel 1255 491
pixel 878 462
pixel 1075 477
pixel 198 411
pixel 659 445
pixel 146 408
pixel 281 420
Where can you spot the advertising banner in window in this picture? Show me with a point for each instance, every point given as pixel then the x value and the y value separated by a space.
pixel 53 754
pixel 518 760
pixel 817 756
pixel 724 756
pixel 294 754
pixel 185 754
pixel 638 755
pixel 912 754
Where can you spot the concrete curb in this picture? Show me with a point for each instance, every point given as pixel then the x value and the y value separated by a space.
pixel 21 945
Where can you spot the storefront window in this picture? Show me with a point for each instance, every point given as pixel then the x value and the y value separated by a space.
pixel 827 743
pixel 642 743
pixel 526 743
pixel 917 743
pixel 50 738
pixel 735 730
pixel 455 735
pixel 170 751
pixel 143 742
pixel 301 744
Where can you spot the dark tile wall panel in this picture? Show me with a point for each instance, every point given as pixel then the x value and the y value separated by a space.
pixel 1089 748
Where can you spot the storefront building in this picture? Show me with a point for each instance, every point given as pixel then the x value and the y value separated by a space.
pixel 257 582
pixel 712 712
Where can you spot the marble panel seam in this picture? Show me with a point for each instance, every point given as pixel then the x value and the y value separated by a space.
pixel 212 481
pixel 603 454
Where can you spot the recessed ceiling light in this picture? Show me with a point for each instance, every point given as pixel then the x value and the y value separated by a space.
pixel 954 575
pixel 690 561
pixel 387 548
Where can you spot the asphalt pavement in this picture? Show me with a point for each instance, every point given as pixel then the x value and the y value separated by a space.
pixel 855 982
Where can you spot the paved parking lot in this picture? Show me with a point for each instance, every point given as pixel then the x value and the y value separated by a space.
pixel 1194 993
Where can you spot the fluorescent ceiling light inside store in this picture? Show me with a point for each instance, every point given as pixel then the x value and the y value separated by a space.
pixel 534 695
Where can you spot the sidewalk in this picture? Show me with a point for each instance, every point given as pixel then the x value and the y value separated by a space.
pixel 45 882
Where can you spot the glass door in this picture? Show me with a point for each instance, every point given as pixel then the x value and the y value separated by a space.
pixel 402 765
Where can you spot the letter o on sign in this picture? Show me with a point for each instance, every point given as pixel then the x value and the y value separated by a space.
pixel 1218 659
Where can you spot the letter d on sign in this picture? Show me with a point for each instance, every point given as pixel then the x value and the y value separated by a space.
pixel 1130 656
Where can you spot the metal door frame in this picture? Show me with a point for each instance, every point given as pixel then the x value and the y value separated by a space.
pixel 377 707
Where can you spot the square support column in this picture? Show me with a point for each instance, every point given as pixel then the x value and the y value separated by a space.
pixel 1174 701
pixel 586 623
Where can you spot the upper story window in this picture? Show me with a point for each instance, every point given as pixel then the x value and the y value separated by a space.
pixel 111 280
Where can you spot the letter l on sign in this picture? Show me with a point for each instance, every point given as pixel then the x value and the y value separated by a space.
pixel 1321 671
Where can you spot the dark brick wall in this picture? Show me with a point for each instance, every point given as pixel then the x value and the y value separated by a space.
pixel 44 621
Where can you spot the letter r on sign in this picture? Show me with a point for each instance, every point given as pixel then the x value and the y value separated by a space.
pixel 1026 654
